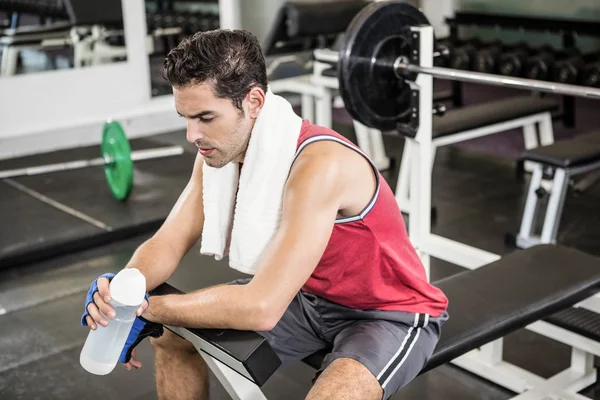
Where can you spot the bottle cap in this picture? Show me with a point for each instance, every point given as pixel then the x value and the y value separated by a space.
pixel 128 287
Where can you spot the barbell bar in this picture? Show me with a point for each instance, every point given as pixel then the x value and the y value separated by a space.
pixel 401 68
pixel 376 67
pixel 117 159
pixel 137 155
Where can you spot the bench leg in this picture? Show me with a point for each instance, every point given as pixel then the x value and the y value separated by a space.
pixel 10 59
pixel 371 142
pixel 362 137
pixel 525 237
pixel 323 106
pixel 238 387
pixel 531 141
pixel 546 130
pixel 308 106
pixel 402 187
pixel 555 206
pixel 379 158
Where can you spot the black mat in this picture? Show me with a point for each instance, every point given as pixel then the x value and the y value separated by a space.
pixel 44 231
pixel 29 226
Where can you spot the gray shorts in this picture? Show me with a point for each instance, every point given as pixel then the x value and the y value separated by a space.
pixel 393 345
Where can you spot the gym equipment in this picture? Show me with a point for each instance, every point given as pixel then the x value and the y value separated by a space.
pixel 591 74
pixel 567 70
pixel 500 301
pixel 463 55
pixel 488 57
pixel 117 159
pixel 559 162
pixel 540 65
pixel 513 62
pixel 377 41
pixel 301 25
pixel 532 115
pixel 378 61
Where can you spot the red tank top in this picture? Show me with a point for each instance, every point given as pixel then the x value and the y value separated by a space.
pixel 369 262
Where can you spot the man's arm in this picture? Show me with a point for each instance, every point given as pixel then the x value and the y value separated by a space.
pixel 310 205
pixel 159 256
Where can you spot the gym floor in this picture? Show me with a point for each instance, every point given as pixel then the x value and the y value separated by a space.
pixel 478 200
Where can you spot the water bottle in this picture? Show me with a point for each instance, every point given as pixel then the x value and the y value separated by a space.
pixel 104 345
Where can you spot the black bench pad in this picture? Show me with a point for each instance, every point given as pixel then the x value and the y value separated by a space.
pixel 249 348
pixel 480 115
pixel 580 150
pixel 522 287
pixel 485 304
pixel 578 320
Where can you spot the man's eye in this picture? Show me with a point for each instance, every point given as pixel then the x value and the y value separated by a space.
pixel 206 120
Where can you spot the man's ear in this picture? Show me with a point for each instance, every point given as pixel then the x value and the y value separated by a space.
pixel 256 101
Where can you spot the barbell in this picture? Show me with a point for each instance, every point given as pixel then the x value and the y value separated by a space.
pixel 117 159
pixel 378 61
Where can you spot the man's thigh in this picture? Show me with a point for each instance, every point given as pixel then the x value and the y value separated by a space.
pixel 394 352
pixel 297 334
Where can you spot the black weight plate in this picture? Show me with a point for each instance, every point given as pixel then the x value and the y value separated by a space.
pixel 376 37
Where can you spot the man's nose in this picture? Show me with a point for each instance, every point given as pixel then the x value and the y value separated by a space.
pixel 193 133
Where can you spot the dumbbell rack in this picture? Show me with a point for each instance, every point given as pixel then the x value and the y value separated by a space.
pixel 568 29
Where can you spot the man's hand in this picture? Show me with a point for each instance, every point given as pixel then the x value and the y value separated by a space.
pixel 99 309
pixel 133 363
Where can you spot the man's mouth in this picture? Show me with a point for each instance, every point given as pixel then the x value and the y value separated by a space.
pixel 205 151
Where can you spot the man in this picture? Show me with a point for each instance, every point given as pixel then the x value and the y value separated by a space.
pixel 339 270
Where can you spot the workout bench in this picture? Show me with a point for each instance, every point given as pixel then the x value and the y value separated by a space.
pixel 514 292
pixel 533 114
pixel 559 162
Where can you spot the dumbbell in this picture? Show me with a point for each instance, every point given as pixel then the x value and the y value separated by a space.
pixel 512 63
pixel 591 74
pixel 540 65
pixel 193 24
pixel 567 69
pixel 487 57
pixel 168 20
pixel 181 20
pixel 462 56
pixel 157 21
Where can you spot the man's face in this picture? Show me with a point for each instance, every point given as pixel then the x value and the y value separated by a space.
pixel 219 130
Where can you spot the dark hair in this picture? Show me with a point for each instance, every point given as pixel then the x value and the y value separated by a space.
pixel 231 60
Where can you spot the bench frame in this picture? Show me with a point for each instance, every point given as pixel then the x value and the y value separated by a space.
pixel 487 361
pixel 558 188
pixel 540 123
pixel 233 376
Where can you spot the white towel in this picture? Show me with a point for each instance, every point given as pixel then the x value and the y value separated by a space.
pixel 242 228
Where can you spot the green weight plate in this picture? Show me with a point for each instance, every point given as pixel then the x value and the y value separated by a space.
pixel 376 37
pixel 118 166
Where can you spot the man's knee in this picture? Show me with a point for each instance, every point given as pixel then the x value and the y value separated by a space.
pixel 172 343
pixel 348 378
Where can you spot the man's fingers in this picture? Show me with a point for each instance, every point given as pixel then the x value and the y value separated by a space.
pixel 90 323
pixel 142 308
pixel 135 363
pixel 95 314
pixel 102 306
pixel 103 289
